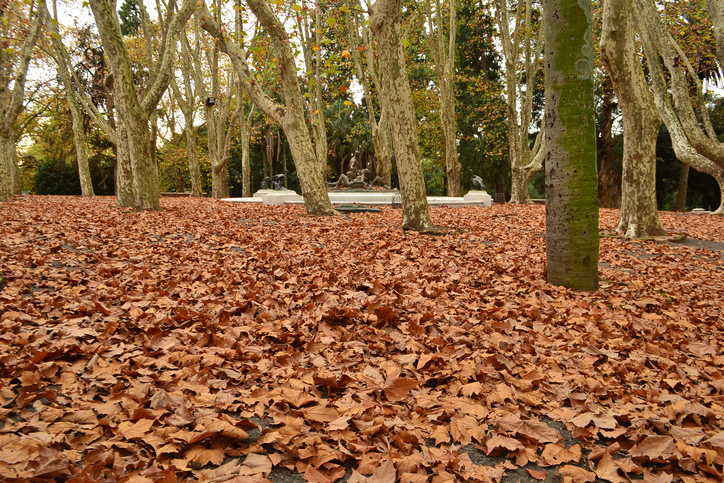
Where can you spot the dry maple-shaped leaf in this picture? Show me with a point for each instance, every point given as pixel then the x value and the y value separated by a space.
pixel 607 470
pixel 498 443
pixel 602 421
pixel 651 477
pixel 199 455
pixel 575 474
pixel 534 430
pixel 414 478
pixel 471 389
pixel 397 388
pixel 557 454
pixel 716 441
pixel 464 429
pixel 258 464
pixel 132 431
pixel 656 448
pixel 321 414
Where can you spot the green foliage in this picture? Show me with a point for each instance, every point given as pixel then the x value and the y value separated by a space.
pixel 54 177
pixel 434 172
pixel 481 107
pixel 130 17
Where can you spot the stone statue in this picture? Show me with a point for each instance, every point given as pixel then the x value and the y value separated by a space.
pixel 279 180
pixel 477 182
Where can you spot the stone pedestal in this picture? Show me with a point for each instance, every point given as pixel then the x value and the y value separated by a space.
pixel 478 197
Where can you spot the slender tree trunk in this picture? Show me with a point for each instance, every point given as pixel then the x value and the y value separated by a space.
pixel 641 122
pixel 193 154
pixel 385 24
pixel 290 116
pixel 81 148
pixel 680 204
pixel 245 156
pixel 384 155
pixel 609 174
pixel 572 238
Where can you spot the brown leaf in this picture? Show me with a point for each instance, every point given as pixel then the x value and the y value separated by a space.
pixel 608 470
pixel 557 454
pixel 397 388
pixel 531 429
pixel 575 474
pixel 321 414
pixel 136 430
pixel 655 447
pixel 538 475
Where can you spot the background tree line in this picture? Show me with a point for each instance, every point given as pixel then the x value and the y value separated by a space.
pixel 212 96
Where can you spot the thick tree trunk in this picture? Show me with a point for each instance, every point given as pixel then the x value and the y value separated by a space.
pixel 385 24
pixel 11 100
pixel 572 238
pixel 133 110
pixel 680 204
pixel 609 174
pixel 684 149
pixel 9 177
pixel 384 145
pixel 124 172
pixel 641 122
pixel 81 148
pixel 716 11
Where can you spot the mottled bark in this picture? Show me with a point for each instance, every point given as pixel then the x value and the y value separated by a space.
pixel 572 238
pixel 716 12
pixel 135 110
pixel 79 137
pixel 291 116
pixel 609 173
pixel 524 160
pixel 385 24
pixel 311 34
pixel 11 100
pixel 680 203
pixel 125 193
pixel 641 122
pixel 686 151
pixel 444 57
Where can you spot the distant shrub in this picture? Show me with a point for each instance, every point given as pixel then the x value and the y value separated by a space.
pixel 57 178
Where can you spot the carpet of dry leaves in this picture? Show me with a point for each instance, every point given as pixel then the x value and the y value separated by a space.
pixel 229 342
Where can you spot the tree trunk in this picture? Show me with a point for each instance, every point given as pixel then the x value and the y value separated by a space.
pixel 133 110
pixel 193 154
pixel 444 58
pixel 290 116
pixel 572 238
pixel 12 99
pixel 245 156
pixel 641 122
pixel 680 204
pixel 716 12
pixel 609 174
pixel 81 148
pixel 524 161
pixel 124 172
pixel 385 24
pixel 8 166
pixel 680 136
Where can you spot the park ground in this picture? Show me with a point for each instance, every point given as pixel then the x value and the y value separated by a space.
pixel 227 342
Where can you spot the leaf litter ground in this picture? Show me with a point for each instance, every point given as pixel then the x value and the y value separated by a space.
pixel 228 342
